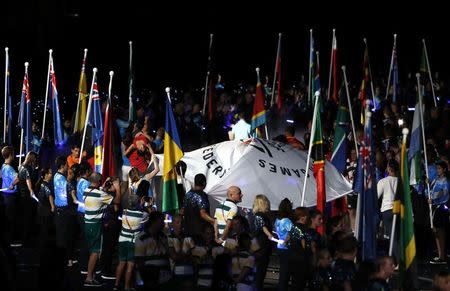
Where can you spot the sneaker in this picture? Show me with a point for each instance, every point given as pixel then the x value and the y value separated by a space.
pixel 93 283
pixel 438 261
pixel 107 276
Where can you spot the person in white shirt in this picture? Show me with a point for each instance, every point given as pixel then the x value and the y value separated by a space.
pixel 387 187
pixel 241 130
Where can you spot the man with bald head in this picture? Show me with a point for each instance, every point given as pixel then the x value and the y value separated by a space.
pixel 225 212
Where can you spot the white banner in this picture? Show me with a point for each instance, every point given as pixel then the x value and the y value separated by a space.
pixel 260 166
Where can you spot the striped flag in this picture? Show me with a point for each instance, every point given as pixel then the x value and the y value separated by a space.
pixel 172 155
pixel 25 112
pixel 319 164
pixel 96 123
pixel 415 148
pixel 368 197
pixel 57 128
pixel 80 116
pixel 259 110
pixel 338 156
pixel 407 246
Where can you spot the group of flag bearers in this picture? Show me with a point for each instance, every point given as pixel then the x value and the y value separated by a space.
pixel 89 113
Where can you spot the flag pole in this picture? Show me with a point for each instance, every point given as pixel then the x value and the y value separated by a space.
pixel 331 63
pixel 23 114
pixel 350 110
pixel 311 52
pixel 405 132
pixel 276 69
pixel 390 67
pixel 111 74
pixel 424 146
pixel 88 113
pixel 6 92
pixel 429 72
pixel 50 51
pixel 211 36
pixel 313 129
pixel 77 114
pixel 370 72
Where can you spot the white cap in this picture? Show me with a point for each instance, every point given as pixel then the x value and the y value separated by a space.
pixel 405 131
pixel 27 64
pixel 257 70
pixel 50 51
pixel 94 70
pixel 85 50
pixel 343 68
pixel 317 93
pixel 6 49
pixel 111 73
pixel 130 42
pixel 417 75
pixel 167 89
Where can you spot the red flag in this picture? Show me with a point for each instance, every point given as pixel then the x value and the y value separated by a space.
pixel 108 163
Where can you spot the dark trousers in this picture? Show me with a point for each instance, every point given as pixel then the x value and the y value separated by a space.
pixel 64 226
pixel 8 209
pixel 25 212
pixel 110 238
pixel 283 280
pixel 84 253
pixel 46 231
pixel 261 267
pixel 297 269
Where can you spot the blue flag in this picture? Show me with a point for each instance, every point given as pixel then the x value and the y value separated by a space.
pixel 96 122
pixel 57 128
pixel 368 197
pixel 25 113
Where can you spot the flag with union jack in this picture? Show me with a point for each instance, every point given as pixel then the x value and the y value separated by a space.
pixel 25 112
pixel 57 128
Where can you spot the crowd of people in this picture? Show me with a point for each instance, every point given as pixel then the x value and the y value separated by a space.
pixel 76 217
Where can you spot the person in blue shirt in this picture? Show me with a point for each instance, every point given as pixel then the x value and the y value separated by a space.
pixel 63 222
pixel 9 196
pixel 283 225
pixel 438 199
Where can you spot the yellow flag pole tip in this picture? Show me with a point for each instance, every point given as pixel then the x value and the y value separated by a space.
pixel 167 89
pixel 417 75
pixel 111 73
pixel 405 131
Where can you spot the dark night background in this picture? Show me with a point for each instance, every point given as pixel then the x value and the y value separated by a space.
pixel 171 40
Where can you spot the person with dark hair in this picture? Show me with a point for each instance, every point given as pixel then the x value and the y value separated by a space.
pixel 439 196
pixel 141 148
pixel 384 269
pixel 96 200
pixel 315 221
pixel 152 253
pixel 9 181
pixel 282 227
pixel 344 269
pixel 74 157
pixel 222 279
pixel 289 132
pixel 46 206
pixel 141 185
pixel 441 281
pixel 196 208
pixel 26 196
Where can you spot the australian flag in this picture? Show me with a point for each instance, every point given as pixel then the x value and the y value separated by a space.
pixel 57 129
pixel 96 122
pixel 25 112
pixel 368 198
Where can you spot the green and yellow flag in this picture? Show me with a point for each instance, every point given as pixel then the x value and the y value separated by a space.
pixel 80 116
pixel 172 155
pixel 406 242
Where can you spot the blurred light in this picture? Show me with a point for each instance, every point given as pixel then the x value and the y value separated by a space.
pixel 400 122
pixel 289 121
pixel 411 108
